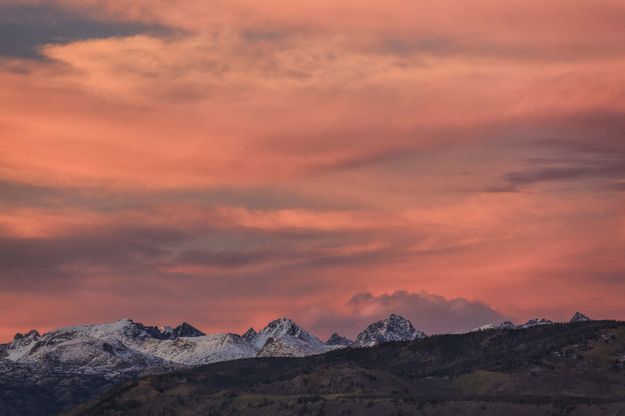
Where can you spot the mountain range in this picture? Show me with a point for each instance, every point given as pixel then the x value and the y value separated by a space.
pixel 125 346
pixel 561 369
pixel 71 364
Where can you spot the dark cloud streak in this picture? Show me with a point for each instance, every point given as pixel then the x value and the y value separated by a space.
pixel 100 199
pixel 607 169
pixel 25 28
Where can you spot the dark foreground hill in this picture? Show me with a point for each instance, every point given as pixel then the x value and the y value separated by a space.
pixel 560 369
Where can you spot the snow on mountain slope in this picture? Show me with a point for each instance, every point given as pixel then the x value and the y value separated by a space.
pixel 282 327
pixel 111 348
pixel 336 339
pixel 187 350
pixel 283 338
pixel 290 346
pixel 394 328
pixel 502 325
pixel 90 349
pixel 579 317
pixel 535 322
pixel 201 350
pixel 126 346
pixel 20 346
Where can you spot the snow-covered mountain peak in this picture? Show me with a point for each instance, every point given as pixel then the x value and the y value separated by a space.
pixel 22 344
pixel 535 322
pixel 29 336
pixel 506 325
pixel 250 335
pixel 502 325
pixel 284 327
pixel 123 328
pixel 579 317
pixel 130 329
pixel 393 328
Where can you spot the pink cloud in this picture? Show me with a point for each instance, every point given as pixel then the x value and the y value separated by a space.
pixel 468 150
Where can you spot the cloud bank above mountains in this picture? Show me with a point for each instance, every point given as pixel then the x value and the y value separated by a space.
pixel 432 314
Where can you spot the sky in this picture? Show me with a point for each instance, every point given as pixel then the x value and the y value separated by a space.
pixel 226 163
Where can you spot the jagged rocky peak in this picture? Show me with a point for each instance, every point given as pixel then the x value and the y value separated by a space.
pixel 33 334
pixel 336 339
pixel 186 330
pixel 250 335
pixel 285 327
pixel 22 342
pixel 506 325
pixel 579 317
pixel 536 322
pixel 393 328
pixel 134 329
